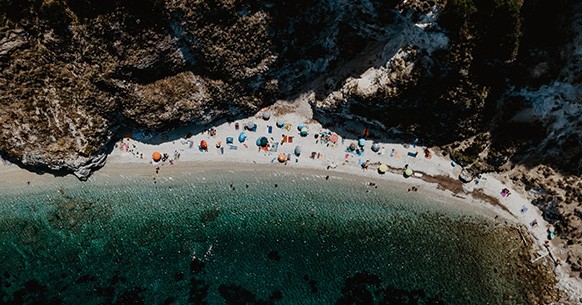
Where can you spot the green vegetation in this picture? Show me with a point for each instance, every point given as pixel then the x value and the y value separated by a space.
pixel 493 25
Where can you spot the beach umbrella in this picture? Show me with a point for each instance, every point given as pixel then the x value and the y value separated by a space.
pixel 361 142
pixel 408 172
pixel 365 164
pixel 297 151
pixel 300 127
pixel 203 144
pixel 282 158
pixel 334 138
pixel 266 115
pixel 262 141
pixel 156 156
pixel 242 137
pixel 375 147
pixel 383 168
pixel 352 146
pixel 304 131
pixel 280 123
pixel 229 140
pixel 251 126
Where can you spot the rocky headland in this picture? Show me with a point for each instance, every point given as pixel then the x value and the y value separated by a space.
pixel 496 84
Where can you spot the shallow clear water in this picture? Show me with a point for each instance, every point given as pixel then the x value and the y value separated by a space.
pixel 194 240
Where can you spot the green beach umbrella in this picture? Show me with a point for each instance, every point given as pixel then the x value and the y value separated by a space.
pixel 262 142
pixel 408 172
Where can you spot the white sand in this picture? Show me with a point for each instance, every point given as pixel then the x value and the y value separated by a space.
pixel 248 153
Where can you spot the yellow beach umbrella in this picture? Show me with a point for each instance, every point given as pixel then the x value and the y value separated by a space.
pixel 408 172
pixel 383 168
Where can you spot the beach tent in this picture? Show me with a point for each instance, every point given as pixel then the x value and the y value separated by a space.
pixel 297 151
pixel 300 127
pixel 352 146
pixel 251 126
pixel 229 140
pixel 408 172
pixel 383 168
pixel 334 138
pixel 262 141
pixel 361 142
pixel 375 147
pixel 242 137
pixel 282 158
pixel 266 115
pixel 203 144
pixel 156 156
pixel 304 132
pixel 280 123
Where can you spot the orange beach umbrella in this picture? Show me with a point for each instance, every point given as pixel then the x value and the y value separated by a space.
pixel 282 158
pixel 156 156
pixel 203 144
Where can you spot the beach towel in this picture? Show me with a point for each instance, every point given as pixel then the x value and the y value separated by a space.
pixel 233 147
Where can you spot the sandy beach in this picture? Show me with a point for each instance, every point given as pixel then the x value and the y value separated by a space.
pixel 435 177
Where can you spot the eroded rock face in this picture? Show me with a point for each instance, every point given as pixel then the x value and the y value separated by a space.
pixel 72 72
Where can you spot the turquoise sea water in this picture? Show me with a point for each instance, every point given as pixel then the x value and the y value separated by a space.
pixel 247 238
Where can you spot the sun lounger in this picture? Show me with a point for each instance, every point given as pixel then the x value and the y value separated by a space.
pixel 274 147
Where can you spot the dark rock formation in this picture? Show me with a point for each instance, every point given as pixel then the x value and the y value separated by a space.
pixel 73 72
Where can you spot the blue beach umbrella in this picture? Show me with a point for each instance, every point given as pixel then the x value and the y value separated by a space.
pixel 297 151
pixel 242 137
pixel 229 140
pixel 300 126
pixel 304 132
pixel 361 142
